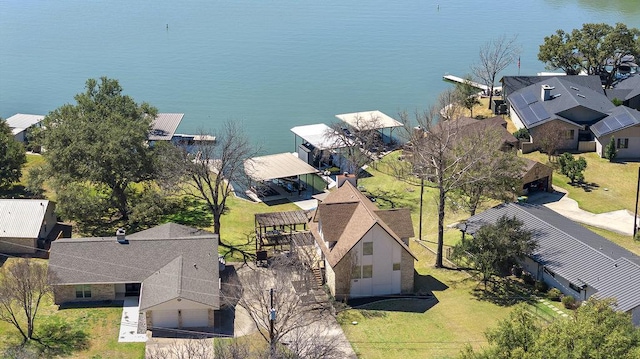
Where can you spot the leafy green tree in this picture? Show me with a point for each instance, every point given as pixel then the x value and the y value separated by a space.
pixel 99 143
pixel 467 94
pixel 494 248
pixel 595 330
pixel 12 157
pixel 610 151
pixel 597 49
pixel 572 168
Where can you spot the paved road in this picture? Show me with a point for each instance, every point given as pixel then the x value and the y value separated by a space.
pixel 616 221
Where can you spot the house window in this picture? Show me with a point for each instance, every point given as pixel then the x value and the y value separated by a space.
pixel 83 291
pixel 356 273
pixel 575 287
pixel 367 248
pixel 623 143
pixel 568 135
pixel 396 266
pixel 367 271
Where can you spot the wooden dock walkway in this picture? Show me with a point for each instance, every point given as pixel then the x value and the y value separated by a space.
pixel 480 86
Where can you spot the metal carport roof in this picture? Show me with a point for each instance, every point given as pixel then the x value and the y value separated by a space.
pixel 280 165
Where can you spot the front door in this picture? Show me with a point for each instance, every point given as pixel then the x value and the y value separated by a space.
pixel 132 290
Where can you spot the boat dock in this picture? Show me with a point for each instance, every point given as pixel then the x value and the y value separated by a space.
pixel 480 86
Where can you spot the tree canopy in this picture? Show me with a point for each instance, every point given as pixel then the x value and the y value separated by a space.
pixel 494 248
pixel 595 330
pixel 596 49
pixel 96 150
pixel 12 157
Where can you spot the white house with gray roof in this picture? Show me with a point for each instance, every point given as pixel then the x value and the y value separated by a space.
pixel 172 268
pixel 571 258
pixel 23 222
pixel 21 122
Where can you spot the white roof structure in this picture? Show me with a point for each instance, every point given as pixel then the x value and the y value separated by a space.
pixel 164 126
pixel 21 121
pixel 22 218
pixel 319 135
pixel 368 120
pixel 280 165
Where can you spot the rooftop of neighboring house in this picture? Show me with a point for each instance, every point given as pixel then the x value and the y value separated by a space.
pixel 618 119
pixel 511 84
pixel 170 260
pixel 22 218
pixel 346 215
pixel 555 98
pixel 21 121
pixel 573 252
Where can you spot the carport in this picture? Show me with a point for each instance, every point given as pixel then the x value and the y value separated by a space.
pixel 279 172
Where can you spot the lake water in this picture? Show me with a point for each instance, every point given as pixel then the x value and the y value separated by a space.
pixel 270 64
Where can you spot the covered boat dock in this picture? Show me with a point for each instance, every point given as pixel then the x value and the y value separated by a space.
pixel 372 120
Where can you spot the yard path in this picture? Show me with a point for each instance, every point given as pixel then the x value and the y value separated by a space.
pixel 620 221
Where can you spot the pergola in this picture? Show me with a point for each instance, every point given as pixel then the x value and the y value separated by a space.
pixel 279 229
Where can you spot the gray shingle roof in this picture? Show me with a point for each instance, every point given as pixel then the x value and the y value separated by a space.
pixel 574 252
pixel 620 118
pixel 511 84
pixel 22 218
pixel 565 95
pixel 170 260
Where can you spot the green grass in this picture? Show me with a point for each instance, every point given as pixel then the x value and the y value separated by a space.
pixel 623 241
pixel 610 186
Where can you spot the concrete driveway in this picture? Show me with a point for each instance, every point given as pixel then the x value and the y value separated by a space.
pixel 620 221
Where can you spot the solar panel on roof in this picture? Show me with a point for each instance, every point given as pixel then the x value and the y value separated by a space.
pixel 528 116
pixel 540 112
pixel 529 98
pixel 625 119
pixel 517 101
pixel 601 127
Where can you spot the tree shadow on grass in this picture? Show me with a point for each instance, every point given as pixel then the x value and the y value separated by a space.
pixel 504 292
pixel 191 212
pixel 586 186
pixel 59 338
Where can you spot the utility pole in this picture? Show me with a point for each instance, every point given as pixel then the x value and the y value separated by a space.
pixel 635 215
pixel 421 194
pixel 272 319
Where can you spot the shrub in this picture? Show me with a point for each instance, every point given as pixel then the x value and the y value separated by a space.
pixel 541 286
pixel 522 134
pixel 569 302
pixel 554 294
pixel 572 168
pixel 516 271
pixel 528 279
pixel 610 151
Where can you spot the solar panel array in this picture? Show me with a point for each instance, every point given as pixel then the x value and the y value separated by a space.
pixel 614 123
pixel 530 108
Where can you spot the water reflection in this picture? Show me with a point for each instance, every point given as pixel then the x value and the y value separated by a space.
pixel 624 8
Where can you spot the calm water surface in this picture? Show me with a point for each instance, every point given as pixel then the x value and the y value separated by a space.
pixel 271 64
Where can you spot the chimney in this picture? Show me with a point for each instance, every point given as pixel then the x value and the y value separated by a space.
pixel 346 177
pixel 545 93
pixel 120 236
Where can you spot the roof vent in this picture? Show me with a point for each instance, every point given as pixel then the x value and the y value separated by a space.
pixel 575 88
pixel 581 95
pixel 120 236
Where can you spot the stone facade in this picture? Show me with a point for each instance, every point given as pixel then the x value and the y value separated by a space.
pixel 67 293
pixel 149 317
pixel 406 272
pixel 18 245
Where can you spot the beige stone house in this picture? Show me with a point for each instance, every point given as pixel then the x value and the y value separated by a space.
pixel 365 249
pixel 23 222
pixel 172 268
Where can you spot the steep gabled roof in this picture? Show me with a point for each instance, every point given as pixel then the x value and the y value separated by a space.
pixel 574 252
pixel 619 118
pixel 170 260
pixel 22 218
pixel 346 216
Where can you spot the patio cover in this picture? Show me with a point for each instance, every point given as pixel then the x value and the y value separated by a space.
pixel 319 135
pixel 20 122
pixel 369 120
pixel 280 165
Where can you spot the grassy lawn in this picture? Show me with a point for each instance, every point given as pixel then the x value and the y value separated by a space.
pixel 610 186
pixel 101 324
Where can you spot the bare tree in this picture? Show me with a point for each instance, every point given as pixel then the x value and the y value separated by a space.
pixel 284 303
pixel 185 349
pixel 447 157
pixel 495 56
pixel 359 144
pixel 550 137
pixel 208 172
pixel 23 285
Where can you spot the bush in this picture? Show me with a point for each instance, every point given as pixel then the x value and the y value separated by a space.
pixel 516 271
pixel 522 134
pixel 569 302
pixel 554 294
pixel 541 286
pixel 528 279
